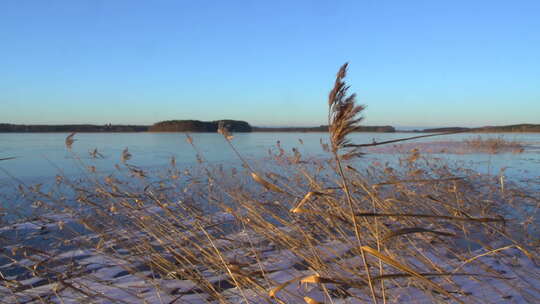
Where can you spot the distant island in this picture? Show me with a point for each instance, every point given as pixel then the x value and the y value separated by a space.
pixel 199 126
pixel 240 126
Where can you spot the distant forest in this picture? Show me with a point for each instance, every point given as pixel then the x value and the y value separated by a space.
pixel 322 129
pixel 238 126
pixel 71 128
pixel 199 126
pixel 488 129
pixel 242 126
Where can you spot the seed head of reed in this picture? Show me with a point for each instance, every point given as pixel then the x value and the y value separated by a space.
pixel 343 114
pixel 125 155
pixel 224 130
pixel 70 140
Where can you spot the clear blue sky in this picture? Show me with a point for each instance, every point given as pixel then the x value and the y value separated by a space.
pixel 413 63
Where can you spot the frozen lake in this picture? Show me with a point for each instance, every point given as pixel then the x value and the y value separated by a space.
pixel 44 155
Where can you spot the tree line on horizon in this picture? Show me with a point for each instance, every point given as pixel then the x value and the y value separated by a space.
pixel 236 126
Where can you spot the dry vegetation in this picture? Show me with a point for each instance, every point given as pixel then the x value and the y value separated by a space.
pixel 294 231
pixel 494 144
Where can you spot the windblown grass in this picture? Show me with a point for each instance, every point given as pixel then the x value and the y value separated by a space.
pixel 290 230
pixel 494 144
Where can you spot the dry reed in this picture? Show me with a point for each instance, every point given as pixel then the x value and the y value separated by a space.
pixel 326 231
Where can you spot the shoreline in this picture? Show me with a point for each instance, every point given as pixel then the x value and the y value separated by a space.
pixel 281 131
pixel 90 128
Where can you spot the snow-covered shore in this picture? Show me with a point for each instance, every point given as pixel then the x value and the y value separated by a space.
pixel 90 276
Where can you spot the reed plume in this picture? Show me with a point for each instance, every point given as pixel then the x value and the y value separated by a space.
pixel 125 155
pixel 343 119
pixel 70 140
pixel 342 112
pixel 224 130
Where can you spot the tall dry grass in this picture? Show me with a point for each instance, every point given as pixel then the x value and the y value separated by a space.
pixel 494 144
pixel 332 230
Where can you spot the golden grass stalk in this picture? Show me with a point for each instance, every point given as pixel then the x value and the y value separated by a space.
pixel 390 261
pixel 268 185
pixel 444 217
pixel 410 230
pixel 342 120
pixel 309 300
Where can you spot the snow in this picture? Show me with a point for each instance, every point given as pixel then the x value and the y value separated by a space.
pixel 505 276
pixel 103 284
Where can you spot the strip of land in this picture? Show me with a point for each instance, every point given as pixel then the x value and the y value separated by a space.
pixel 240 126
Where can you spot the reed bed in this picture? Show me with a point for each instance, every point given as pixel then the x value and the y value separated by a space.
pixel 494 144
pixel 289 230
